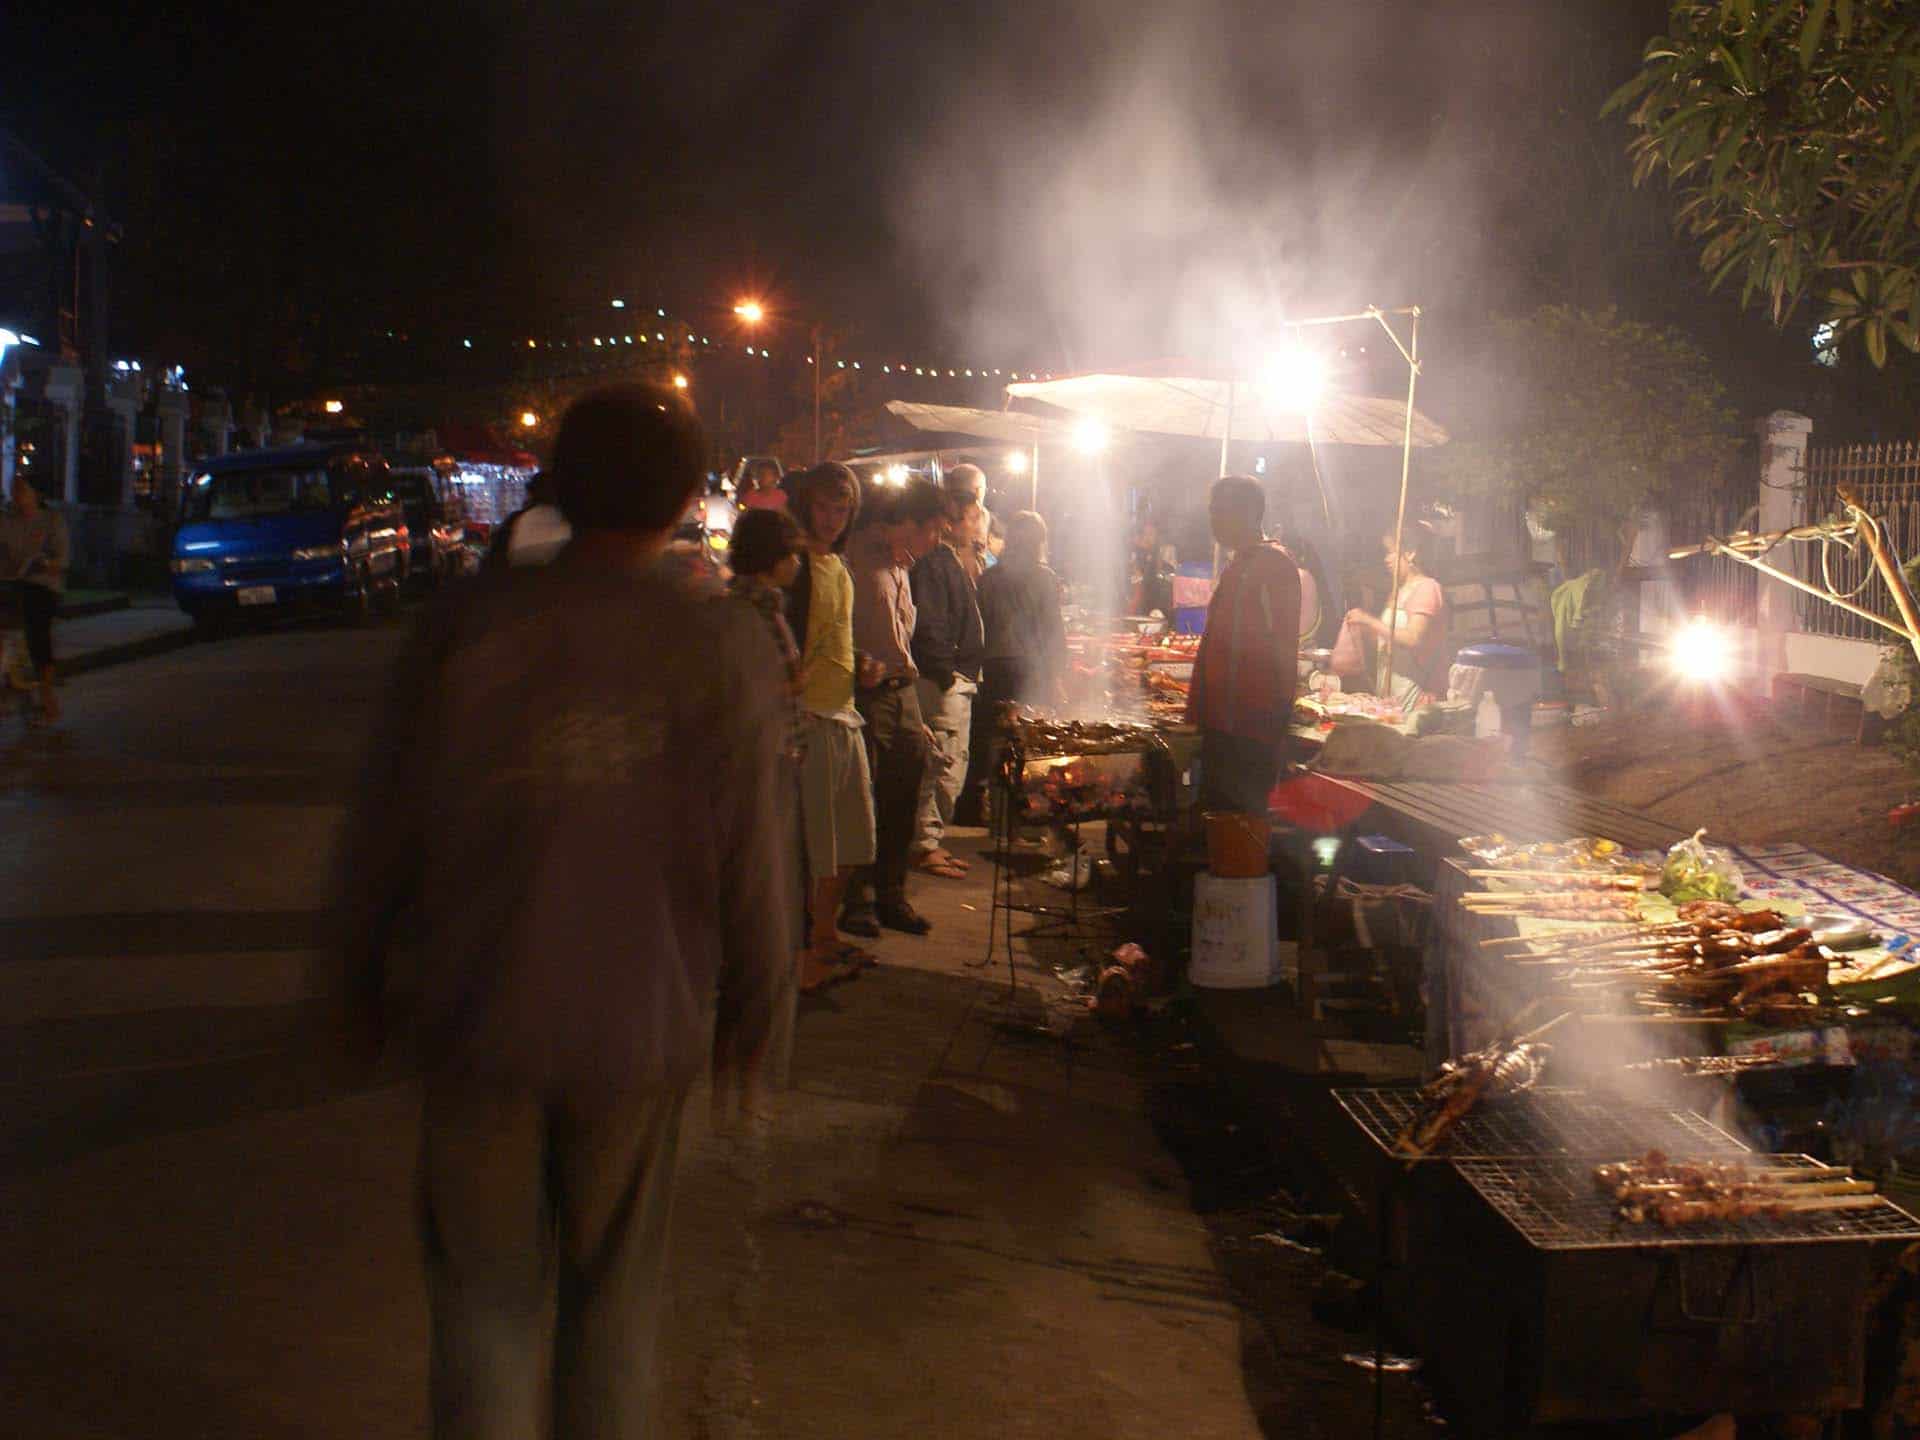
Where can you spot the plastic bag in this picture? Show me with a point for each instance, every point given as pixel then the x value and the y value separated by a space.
pixel 1698 871
pixel 1349 656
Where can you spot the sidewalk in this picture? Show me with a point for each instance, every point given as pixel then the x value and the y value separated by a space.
pixel 958 1222
pixel 148 625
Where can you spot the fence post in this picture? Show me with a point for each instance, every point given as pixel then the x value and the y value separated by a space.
pixel 1783 459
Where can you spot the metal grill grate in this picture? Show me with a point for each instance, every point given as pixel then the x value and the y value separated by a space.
pixel 1555 1205
pixel 1542 1122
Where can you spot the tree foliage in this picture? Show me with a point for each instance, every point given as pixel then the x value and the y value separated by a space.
pixel 1590 418
pixel 1791 128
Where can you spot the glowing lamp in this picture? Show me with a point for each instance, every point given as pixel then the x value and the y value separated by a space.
pixel 528 419
pixel 751 311
pixel 1701 651
pixel 333 407
pixel 896 474
pixel 1293 379
pixel 1016 462
pixel 1090 437
pixel 679 382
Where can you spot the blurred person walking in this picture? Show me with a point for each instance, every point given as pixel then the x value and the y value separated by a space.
pixel 883 553
pixel 1245 675
pixel 34 554
pixel 573 788
pixel 947 647
pixel 836 789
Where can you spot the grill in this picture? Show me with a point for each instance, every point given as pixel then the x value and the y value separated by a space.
pixel 1555 1206
pixel 1063 771
pixel 1543 1123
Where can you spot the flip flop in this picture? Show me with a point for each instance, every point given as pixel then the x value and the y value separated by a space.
pixel 832 973
pixel 856 956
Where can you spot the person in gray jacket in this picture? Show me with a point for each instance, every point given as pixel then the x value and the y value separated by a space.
pixel 575 791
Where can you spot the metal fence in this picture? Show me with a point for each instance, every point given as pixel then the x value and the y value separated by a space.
pixel 1713 585
pixel 1886 479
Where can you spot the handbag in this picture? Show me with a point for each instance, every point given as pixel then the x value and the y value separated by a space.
pixel 1349 656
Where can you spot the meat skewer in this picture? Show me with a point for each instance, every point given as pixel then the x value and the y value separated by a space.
pixel 1688 1192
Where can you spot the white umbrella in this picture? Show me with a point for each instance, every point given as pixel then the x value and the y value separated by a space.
pixel 1010 426
pixel 1218 408
pixel 1007 426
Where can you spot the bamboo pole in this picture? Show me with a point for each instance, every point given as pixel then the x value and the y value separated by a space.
pixel 1716 548
pixel 1412 352
pixel 1883 561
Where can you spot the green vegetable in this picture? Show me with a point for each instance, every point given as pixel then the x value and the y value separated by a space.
pixel 1694 872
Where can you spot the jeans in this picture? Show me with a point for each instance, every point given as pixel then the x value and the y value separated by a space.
pixel 949 715
pixel 523 1201
pixel 897 748
pixel 1235 773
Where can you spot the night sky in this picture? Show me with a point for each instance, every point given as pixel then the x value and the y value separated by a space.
pixel 1081 184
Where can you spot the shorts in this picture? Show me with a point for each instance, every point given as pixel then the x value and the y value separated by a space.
pixel 836 796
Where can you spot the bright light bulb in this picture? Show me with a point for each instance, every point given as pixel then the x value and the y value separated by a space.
pixel 619 304
pixel 1702 651
pixel 679 382
pixel 1293 379
pixel 528 419
pixel 333 407
pixel 1016 462
pixel 751 311
pixel 1090 437
pixel 896 474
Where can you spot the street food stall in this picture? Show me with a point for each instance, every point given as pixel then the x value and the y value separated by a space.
pixel 1619 1225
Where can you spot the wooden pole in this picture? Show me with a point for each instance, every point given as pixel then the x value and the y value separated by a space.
pixel 1400 515
pixel 1884 562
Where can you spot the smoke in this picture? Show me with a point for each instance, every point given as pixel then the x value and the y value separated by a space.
pixel 1197 174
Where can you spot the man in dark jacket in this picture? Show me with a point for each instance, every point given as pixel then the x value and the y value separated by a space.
pixel 948 646
pixel 574 788
pixel 1241 697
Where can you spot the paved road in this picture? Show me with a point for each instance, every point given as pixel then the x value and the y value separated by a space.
pixel 953 1227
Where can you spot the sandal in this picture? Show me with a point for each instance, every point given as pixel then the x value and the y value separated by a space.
pixel 826 973
pixel 934 865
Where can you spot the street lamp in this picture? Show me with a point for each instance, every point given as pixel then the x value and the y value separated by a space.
pixel 1293 379
pixel 1090 437
pixel 752 312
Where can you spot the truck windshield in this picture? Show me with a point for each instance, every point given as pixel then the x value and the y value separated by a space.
pixel 244 494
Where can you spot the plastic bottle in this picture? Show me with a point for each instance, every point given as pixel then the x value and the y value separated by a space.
pixel 1486 719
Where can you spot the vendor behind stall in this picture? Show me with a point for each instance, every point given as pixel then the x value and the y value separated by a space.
pixel 1421 655
pixel 1244 679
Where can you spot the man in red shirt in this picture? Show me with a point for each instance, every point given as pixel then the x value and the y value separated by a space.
pixel 1244 679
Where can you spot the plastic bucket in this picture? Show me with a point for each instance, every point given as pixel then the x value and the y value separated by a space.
pixel 1237 844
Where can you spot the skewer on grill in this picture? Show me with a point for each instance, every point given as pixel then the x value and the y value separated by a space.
pixel 1571 879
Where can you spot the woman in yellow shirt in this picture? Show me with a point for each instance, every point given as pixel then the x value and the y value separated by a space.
pixel 836 792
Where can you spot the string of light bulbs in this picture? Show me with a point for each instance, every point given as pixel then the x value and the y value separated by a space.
pixel 659 336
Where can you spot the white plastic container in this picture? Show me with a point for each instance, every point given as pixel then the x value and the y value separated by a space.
pixel 1236 934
